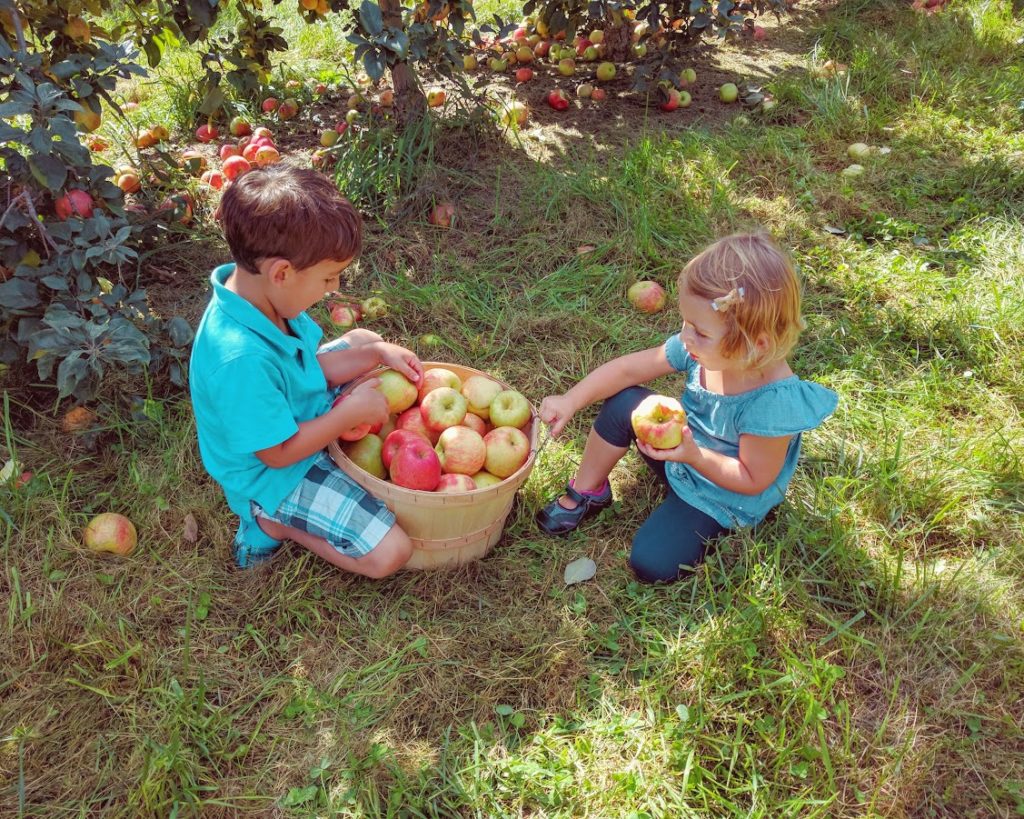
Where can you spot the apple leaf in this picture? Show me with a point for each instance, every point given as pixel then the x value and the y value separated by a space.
pixel 582 250
pixel 580 570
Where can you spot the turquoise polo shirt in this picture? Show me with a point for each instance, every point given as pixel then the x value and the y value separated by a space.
pixel 252 385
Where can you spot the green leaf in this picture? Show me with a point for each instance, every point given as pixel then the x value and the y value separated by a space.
pixel 214 99
pixel 48 171
pixel 18 294
pixel 374 63
pixel 71 372
pixel 371 18
pixel 504 710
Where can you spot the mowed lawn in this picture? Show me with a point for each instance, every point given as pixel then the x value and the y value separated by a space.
pixel 862 655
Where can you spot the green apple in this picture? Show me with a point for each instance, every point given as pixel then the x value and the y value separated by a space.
pixel 366 454
pixel 606 72
pixel 728 93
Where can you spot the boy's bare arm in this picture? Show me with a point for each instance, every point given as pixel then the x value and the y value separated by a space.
pixel 365 405
pixel 340 366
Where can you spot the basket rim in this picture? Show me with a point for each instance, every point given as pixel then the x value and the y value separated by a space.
pixel 518 477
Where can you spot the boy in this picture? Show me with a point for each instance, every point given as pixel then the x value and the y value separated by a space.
pixel 262 389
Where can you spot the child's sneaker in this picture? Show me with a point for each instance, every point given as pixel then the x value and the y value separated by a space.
pixel 252 545
pixel 555 519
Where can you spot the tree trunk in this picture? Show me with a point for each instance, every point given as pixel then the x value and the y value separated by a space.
pixel 410 104
pixel 617 42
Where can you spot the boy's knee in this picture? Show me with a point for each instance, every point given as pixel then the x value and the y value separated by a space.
pixel 360 336
pixel 390 555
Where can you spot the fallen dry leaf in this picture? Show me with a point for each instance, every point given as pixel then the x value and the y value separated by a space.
pixel 584 249
pixel 191 528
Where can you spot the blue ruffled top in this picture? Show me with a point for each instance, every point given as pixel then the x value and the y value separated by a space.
pixel 786 407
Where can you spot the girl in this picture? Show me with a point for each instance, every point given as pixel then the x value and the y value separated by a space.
pixel 740 305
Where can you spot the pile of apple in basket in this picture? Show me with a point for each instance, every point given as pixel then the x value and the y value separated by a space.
pixel 446 436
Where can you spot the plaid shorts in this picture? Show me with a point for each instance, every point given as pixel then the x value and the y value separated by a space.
pixel 328 504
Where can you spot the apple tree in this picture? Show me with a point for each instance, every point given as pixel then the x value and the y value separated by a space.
pixel 68 259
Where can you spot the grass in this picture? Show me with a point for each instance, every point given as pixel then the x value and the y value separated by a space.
pixel 862 654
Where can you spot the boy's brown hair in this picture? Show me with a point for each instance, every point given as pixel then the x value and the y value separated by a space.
pixel 288 212
pixel 751 282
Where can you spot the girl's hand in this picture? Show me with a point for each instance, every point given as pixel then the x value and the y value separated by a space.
pixel 686 453
pixel 556 411
pixel 403 360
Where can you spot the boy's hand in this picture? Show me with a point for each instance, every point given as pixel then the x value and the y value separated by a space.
pixel 686 453
pixel 403 360
pixel 556 411
pixel 366 404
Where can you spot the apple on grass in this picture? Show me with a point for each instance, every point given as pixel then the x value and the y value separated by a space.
pixel 110 532
pixel 647 296
pixel 438 377
pixel 374 308
pixel 442 214
pixel 461 449
pixel 416 466
pixel 442 408
pixel 240 126
pixel 508 449
pixel 393 440
pixel 510 409
pixel 412 420
pixel 557 99
pixel 455 482
pixel 479 391
pixel 658 421
pixel 366 454
pixel 399 391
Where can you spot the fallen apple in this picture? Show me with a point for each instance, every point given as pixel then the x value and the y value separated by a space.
pixel 605 72
pixel 235 166
pixel 269 105
pixel 435 97
pixel 239 127
pixel 205 133
pixel 75 202
pixel 647 296
pixel 599 95
pixel 557 99
pixel 728 93
pixel 374 307
pixel 111 532
pixel 859 151
pixel 687 77
pixel 442 214
pixel 567 67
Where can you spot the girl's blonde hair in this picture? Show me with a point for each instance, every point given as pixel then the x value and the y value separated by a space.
pixel 752 285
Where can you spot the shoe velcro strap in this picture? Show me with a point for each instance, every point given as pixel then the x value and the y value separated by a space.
pixel 576 496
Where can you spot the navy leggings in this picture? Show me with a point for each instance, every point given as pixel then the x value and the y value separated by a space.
pixel 676 534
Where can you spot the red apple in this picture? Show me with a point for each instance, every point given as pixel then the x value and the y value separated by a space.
pixel 442 214
pixel 412 420
pixel 438 377
pixel 288 109
pixel 669 99
pixel 599 95
pixel 461 449
pixel 227 149
pixel 207 133
pixel 524 74
pixel 269 105
pixel 557 99
pixel 267 155
pixel 454 482
pixel 416 466
pixel 435 97
pixel 508 449
pixel 647 296
pixel 344 315
pixel 759 33
pixel 399 391
pixel 235 166
pixel 443 408
pixel 475 423
pixel 658 421
pixel 239 126
pixel 393 440
pixel 215 179
pixel 75 202
pixel 110 532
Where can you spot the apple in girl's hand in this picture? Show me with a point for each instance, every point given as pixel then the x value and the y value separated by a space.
pixel 483 479
pixel 462 450
pixel 366 454
pixel 507 449
pixel 510 409
pixel 443 408
pixel 438 377
pixel 480 391
pixel 412 420
pixel 399 391
pixel 393 441
pixel 658 421
pixel 416 466
pixel 647 296
pixel 454 482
